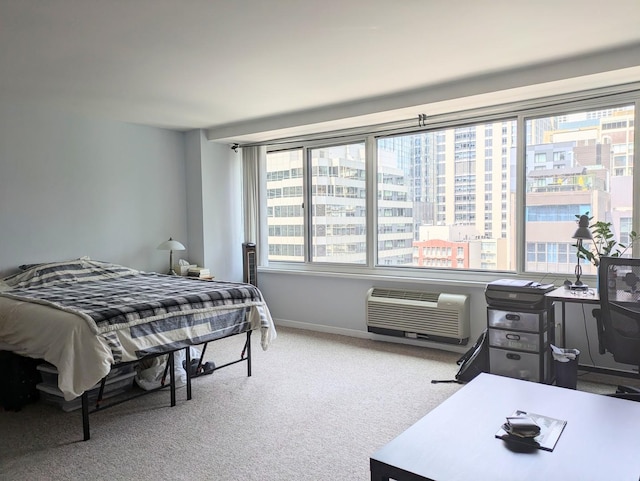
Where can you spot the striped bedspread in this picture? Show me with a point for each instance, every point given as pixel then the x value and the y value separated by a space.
pixel 111 297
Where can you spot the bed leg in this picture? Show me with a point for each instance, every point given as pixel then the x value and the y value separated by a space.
pixel 248 353
pixel 204 349
pixel 187 356
pixel 85 415
pixel 172 378
pixel 101 392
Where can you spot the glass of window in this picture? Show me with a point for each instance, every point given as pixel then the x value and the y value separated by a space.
pixel 435 197
pixel 576 164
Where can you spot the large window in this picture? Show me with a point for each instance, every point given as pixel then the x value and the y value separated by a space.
pixel 338 204
pixel 285 200
pixel 589 170
pixel 435 192
pixel 462 195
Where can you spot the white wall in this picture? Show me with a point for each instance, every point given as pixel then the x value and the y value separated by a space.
pixel 333 304
pixel 73 186
pixel 214 206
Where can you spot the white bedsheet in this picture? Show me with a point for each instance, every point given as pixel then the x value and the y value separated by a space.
pixel 61 338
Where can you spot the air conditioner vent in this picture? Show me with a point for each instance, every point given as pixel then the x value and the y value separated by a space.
pixel 420 296
pixel 436 316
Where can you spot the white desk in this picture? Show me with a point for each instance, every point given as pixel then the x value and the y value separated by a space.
pixel 590 297
pixel 564 296
pixel 455 441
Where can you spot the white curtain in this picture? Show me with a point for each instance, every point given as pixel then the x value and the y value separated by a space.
pixel 255 200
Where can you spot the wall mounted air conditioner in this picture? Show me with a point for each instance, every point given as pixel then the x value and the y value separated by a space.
pixel 434 316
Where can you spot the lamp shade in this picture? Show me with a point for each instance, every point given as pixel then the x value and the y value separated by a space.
pixel 583 231
pixel 171 245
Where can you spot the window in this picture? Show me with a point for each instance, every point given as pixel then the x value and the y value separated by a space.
pixel 285 218
pixel 587 181
pixel 625 231
pixel 540 158
pixel 466 218
pixel 338 202
pixel 450 197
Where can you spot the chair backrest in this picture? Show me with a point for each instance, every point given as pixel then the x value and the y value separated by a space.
pixel 619 290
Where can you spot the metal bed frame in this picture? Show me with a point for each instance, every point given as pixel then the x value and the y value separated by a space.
pixel 245 355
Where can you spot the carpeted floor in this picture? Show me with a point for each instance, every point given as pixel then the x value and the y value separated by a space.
pixel 316 407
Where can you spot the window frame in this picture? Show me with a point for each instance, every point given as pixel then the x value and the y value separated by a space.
pixel 521 112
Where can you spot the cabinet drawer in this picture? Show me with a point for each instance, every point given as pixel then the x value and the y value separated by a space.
pixel 519 321
pixel 519 365
pixel 517 340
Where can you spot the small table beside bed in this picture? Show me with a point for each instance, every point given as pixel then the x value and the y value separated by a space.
pixel 85 317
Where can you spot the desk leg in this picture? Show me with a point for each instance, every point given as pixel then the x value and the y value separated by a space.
pixel 386 472
pixel 564 329
pixel 379 477
pixel 376 474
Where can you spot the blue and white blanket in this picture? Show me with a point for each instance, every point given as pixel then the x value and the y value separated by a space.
pixel 111 297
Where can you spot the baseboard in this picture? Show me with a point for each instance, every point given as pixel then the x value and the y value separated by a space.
pixel 322 328
pixel 368 335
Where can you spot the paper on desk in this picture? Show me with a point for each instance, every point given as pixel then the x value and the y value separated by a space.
pixel 564 355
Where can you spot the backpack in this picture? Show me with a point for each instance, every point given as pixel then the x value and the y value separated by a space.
pixel 474 361
pixel 18 379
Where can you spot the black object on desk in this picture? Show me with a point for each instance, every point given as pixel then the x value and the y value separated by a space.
pixel 517 293
pixel 546 438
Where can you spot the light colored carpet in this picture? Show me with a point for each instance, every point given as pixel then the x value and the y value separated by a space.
pixel 317 406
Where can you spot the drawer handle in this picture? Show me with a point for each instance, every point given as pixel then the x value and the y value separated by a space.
pixel 513 317
pixel 513 337
pixel 513 357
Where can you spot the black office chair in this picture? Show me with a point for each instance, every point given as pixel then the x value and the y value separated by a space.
pixel 618 318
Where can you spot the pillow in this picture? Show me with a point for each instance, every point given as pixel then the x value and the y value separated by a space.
pixel 77 270
pixel 26 267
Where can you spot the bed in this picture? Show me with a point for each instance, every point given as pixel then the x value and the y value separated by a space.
pixel 85 316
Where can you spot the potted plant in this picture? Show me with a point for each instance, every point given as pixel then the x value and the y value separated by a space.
pixel 604 244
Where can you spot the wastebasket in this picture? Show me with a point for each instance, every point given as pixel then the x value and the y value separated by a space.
pixel 565 363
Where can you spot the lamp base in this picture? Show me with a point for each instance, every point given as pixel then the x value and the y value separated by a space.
pixel 579 287
pixel 172 273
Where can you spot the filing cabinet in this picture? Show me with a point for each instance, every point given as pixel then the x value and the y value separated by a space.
pixel 519 343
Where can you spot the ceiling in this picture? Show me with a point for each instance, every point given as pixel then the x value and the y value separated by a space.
pixel 249 69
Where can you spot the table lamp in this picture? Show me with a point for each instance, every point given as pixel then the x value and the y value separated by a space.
pixel 582 233
pixel 171 245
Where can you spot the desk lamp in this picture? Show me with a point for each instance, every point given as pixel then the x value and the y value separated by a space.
pixel 582 233
pixel 171 245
